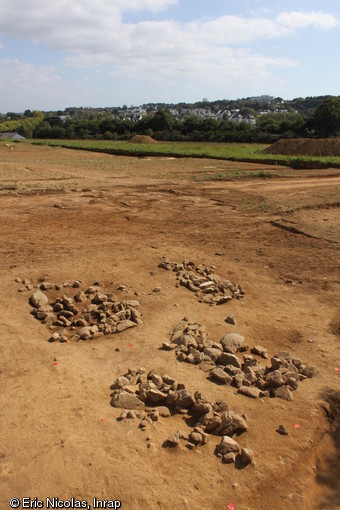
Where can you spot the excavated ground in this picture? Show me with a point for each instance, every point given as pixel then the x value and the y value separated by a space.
pixel 306 147
pixel 68 215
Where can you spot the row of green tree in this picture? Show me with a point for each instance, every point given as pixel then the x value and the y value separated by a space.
pixel 325 121
pixel 24 126
pixel 163 126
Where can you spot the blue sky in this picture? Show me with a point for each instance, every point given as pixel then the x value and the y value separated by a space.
pixel 115 52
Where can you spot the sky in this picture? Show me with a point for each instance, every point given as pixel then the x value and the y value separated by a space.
pixel 103 53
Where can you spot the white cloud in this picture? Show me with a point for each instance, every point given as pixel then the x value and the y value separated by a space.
pixel 91 26
pixel 17 73
pixel 298 20
pixel 21 83
pixel 93 35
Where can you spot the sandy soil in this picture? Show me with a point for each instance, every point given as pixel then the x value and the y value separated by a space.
pixel 69 215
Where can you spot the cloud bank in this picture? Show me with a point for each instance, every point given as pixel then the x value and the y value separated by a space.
pixel 94 35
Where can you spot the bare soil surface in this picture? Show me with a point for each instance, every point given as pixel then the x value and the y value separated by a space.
pixel 68 215
pixel 306 146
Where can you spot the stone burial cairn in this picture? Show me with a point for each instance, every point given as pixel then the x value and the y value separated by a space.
pixel 151 396
pixel 220 361
pixel 207 286
pixel 85 315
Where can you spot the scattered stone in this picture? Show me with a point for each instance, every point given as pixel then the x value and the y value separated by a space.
pixel 282 430
pixel 219 361
pixel 80 297
pixel 212 353
pixel 156 396
pixel 196 438
pixel 283 392
pixel 164 412
pixel 226 445
pixel 232 342
pixel 46 286
pixel 38 299
pixel 184 399
pixel 133 390
pixel 209 287
pixel 229 458
pixel 274 379
pixel 229 359
pixel 247 456
pixel 310 371
pixel 231 423
pixel 126 400
pixel 173 440
pixel 249 391
pixel 103 313
pixel 125 324
pixel 219 375
pixel 259 351
pixel 230 320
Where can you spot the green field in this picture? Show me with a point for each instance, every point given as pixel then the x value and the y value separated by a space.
pixel 228 151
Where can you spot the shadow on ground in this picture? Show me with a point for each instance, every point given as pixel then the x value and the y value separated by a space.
pixel 328 465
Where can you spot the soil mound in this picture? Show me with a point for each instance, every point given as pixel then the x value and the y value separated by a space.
pixel 306 147
pixel 142 139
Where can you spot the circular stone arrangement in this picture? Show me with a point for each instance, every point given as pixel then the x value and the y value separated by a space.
pixel 202 280
pixel 220 361
pixel 151 396
pixel 84 315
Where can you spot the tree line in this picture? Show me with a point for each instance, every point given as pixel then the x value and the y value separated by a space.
pixel 323 121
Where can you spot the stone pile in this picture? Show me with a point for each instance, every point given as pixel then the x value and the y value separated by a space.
pixel 85 315
pixel 202 280
pixel 149 396
pixel 224 366
pixel 28 285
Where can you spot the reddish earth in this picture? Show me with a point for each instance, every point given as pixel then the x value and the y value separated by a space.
pixel 142 139
pixel 306 146
pixel 69 215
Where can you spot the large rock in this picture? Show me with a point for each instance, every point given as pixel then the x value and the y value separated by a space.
pixel 283 392
pixel 212 353
pixel 274 379
pixel 227 445
pixel 156 396
pixel 164 411
pixel 99 298
pixel 173 440
pixel 120 382
pixel 249 391
pixel 232 342
pixel 186 340
pixel 247 456
pixel 125 324
pixel 50 319
pixel 231 423
pixel 125 400
pixel 229 359
pixel 38 299
pixel 184 399
pixel 260 351
pixel 80 297
pixel 219 375
pixel 310 371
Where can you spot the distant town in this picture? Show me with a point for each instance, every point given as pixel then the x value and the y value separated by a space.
pixel 262 118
